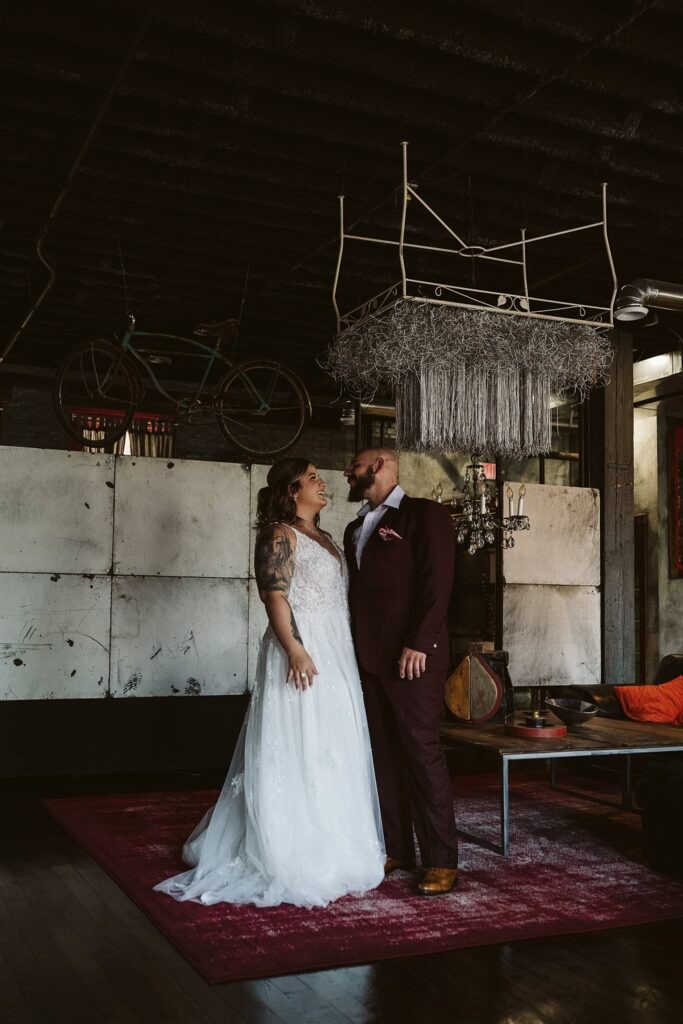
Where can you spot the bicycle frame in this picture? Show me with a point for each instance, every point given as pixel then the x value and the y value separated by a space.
pixel 223 398
pixel 213 355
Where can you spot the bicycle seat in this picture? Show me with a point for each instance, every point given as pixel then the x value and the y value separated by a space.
pixel 217 330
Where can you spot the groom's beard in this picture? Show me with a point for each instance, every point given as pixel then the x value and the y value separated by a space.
pixel 360 485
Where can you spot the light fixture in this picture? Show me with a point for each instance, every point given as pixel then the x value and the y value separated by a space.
pixel 637 297
pixel 475 516
pixel 627 309
pixel 629 305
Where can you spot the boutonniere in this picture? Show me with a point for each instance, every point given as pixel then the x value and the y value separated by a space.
pixel 386 533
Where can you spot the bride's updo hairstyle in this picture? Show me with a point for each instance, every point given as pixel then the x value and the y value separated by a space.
pixel 275 502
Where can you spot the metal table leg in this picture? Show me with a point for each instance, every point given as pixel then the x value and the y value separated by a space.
pixel 504 806
pixel 504 845
pixel 626 802
pixel 627 781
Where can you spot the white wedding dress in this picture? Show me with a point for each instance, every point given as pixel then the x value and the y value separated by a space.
pixel 297 820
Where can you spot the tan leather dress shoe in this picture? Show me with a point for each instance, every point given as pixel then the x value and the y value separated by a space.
pixel 438 881
pixel 395 864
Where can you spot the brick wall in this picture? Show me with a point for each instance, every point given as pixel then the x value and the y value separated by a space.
pixel 28 420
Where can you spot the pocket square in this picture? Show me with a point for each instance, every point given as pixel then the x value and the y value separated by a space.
pixel 386 533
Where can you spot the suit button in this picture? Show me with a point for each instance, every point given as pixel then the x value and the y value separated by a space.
pixel 436 645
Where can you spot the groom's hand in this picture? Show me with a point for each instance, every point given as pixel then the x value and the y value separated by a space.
pixel 412 663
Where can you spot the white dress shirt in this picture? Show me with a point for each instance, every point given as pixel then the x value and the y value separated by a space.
pixel 371 518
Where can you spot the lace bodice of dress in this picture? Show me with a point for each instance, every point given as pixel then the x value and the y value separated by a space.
pixel 319 583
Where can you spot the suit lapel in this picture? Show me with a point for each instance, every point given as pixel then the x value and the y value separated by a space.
pixel 388 519
pixel 349 544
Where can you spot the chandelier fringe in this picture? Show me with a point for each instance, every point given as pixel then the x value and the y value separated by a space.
pixel 469 380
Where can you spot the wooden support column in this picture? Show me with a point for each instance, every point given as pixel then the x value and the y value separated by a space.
pixel 608 445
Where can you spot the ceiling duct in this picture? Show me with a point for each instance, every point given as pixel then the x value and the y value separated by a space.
pixel 635 299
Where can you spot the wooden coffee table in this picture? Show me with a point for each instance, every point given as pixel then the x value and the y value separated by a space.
pixel 603 737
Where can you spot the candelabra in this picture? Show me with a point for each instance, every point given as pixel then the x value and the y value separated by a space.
pixel 476 515
pixel 514 521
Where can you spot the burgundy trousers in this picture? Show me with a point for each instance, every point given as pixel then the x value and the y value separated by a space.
pixel 412 776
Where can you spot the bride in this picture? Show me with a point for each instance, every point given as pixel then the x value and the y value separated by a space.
pixel 297 820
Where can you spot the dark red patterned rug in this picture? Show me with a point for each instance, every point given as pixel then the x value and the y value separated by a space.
pixel 575 867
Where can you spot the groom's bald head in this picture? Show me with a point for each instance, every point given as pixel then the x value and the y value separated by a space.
pixel 372 474
pixel 384 459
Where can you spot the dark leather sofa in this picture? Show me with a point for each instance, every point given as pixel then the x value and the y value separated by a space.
pixel 670 667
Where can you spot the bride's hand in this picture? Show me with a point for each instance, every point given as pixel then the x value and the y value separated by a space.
pixel 301 668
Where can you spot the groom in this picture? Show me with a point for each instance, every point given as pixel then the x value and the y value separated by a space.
pixel 400 552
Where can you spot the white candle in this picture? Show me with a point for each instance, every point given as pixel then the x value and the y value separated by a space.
pixel 520 503
pixel 483 504
pixel 510 497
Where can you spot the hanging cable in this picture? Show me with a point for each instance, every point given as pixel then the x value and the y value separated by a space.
pixel 126 295
pixel 128 59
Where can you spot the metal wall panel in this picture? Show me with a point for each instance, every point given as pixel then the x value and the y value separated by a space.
pixel 56 511
pixel 339 511
pixel 552 635
pixel 563 545
pixel 421 472
pixel 181 518
pixel 182 637
pixel 54 635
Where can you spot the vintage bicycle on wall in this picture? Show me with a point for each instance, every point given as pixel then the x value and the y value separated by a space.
pixel 261 406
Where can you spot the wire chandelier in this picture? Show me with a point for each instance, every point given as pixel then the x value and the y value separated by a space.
pixel 471 369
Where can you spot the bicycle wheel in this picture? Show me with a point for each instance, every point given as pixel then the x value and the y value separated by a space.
pixel 95 392
pixel 261 407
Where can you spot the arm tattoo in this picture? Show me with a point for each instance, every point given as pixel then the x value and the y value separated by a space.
pixel 273 559
pixel 295 629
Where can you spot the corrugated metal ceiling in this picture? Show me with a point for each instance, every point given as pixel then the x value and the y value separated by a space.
pixel 235 127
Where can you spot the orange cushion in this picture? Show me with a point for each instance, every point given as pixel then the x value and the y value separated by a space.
pixel 662 703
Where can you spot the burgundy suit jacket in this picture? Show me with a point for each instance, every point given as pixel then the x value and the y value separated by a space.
pixel 399 596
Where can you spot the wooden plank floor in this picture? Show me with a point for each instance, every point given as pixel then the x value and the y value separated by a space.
pixel 75 950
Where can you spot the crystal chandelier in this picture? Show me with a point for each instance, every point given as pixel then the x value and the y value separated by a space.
pixel 476 514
